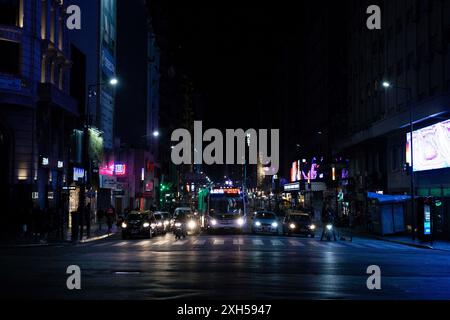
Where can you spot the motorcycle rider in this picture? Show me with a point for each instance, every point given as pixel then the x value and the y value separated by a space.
pixel 180 231
pixel 328 218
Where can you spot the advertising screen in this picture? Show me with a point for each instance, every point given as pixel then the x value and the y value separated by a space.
pixel 431 147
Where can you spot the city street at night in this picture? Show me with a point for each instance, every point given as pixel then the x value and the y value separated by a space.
pixel 250 155
pixel 226 267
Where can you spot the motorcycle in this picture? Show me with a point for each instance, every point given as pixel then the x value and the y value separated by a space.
pixel 179 230
pixel 328 232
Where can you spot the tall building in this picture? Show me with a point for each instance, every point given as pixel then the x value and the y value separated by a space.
pixel 97 41
pixel 37 113
pixel 411 51
pixel 137 111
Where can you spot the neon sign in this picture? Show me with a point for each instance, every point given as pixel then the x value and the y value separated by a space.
pixel 114 169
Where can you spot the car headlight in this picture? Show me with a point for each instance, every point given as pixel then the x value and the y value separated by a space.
pixel 240 222
pixel 312 227
pixel 274 224
pixel 160 224
pixel 329 226
pixel 258 224
pixel 192 225
pixel 124 225
pixel 146 225
pixel 166 222
pixel 177 224
pixel 292 226
pixel 213 222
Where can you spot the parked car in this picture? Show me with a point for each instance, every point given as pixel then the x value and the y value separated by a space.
pixel 299 223
pixel 265 222
pixel 139 224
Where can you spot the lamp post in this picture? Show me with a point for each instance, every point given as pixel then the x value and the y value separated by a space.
pixel 388 85
pixel 85 156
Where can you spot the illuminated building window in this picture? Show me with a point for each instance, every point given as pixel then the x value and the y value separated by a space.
pixel 52 25
pixel 43 19
pixel 60 34
pixel 52 73
pixel 43 69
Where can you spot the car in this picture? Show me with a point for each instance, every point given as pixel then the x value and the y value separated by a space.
pixel 193 224
pixel 299 223
pixel 179 211
pixel 166 219
pixel 265 222
pixel 161 226
pixel 139 224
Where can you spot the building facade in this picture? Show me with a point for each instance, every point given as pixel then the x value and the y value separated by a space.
pixel 411 52
pixel 36 111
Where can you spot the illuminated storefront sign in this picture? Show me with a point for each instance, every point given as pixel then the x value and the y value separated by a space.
pixel 78 173
pixel 292 187
pixel 117 169
pixel 431 147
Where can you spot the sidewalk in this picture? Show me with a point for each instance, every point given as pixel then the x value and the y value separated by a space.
pixel 407 240
pixel 37 242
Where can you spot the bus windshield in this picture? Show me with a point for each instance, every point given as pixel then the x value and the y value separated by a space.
pixel 226 206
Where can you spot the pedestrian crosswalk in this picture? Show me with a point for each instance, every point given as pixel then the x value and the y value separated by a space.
pixel 255 243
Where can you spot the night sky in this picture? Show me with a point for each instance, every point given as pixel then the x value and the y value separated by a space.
pixel 234 55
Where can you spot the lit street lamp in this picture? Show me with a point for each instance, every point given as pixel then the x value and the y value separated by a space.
pixel 387 85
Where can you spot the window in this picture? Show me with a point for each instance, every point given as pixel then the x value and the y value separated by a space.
pixel 44 19
pixel 10 62
pixel 9 12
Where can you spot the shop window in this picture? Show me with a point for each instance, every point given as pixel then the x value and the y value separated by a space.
pixel 9 12
pixel 10 61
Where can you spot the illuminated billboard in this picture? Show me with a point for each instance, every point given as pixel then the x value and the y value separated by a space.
pixel 431 147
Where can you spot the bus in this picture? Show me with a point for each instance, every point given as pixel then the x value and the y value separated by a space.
pixel 225 210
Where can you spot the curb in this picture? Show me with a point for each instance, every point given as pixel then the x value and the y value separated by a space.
pixel 416 245
pixel 48 244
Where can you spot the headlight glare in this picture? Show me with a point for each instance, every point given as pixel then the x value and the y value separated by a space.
pixel 124 225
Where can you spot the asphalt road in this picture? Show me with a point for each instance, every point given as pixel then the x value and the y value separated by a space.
pixel 225 267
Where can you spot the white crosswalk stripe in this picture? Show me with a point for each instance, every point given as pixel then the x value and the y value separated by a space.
pixel 315 243
pixel 277 243
pixel 143 243
pixel 120 244
pixel 258 242
pixel 336 245
pixel 238 242
pixel 296 243
pixel 355 245
pixel 161 242
pixel 199 242
pixel 218 242
pixel 179 242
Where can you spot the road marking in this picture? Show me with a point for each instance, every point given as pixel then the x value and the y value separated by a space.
pixel 296 243
pixel 143 243
pixel 179 242
pixel 161 242
pixel 258 242
pixel 238 242
pixel 218 242
pixel 199 242
pixel 277 243
pixel 355 245
pixel 315 244
pixel 120 244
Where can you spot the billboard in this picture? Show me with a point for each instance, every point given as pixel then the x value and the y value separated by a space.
pixel 431 147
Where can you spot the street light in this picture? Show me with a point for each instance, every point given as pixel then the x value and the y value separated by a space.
pixel 387 84
pixel 114 82
pixel 156 133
